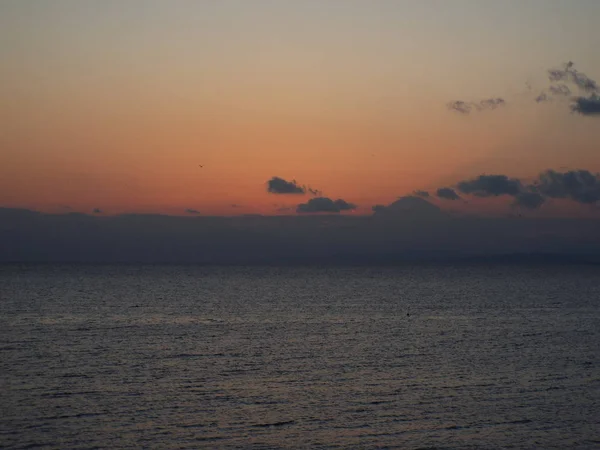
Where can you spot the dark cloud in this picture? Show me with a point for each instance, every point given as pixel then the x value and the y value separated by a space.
pixel 423 194
pixel 467 107
pixel 447 194
pixel 587 106
pixel 277 185
pixel 579 185
pixel 192 211
pixel 324 204
pixel 543 97
pixel 315 192
pixel 490 185
pixel 529 200
pixel 97 211
pixel 378 208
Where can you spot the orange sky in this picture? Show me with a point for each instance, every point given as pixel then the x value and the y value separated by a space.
pixel 115 109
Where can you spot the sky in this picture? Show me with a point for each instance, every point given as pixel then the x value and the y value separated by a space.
pixel 219 108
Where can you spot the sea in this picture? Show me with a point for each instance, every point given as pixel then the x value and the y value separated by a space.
pixel 425 356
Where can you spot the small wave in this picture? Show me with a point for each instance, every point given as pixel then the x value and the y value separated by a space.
pixel 518 422
pixel 274 424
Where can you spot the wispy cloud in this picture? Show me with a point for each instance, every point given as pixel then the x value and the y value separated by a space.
pixel 463 107
pixel 586 104
pixel 192 211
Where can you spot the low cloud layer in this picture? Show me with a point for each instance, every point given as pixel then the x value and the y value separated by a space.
pixel 581 186
pixel 192 211
pixel 529 200
pixel 324 205
pixel 490 185
pixel 447 194
pixel 463 107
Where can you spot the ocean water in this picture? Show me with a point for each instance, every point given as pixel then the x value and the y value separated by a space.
pixel 429 356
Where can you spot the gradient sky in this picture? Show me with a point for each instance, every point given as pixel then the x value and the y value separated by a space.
pixel 113 105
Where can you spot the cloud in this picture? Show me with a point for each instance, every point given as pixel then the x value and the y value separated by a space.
pixel 581 186
pixel 490 185
pixel 529 200
pixel 460 107
pixel 277 185
pixel 587 106
pixel 325 204
pixel 543 97
pixel 560 89
pixel 463 107
pixel 569 74
pixel 378 208
pixel 447 194
pixel 490 103
pixel 192 211
pixel 234 205
pixel 97 211
pixel 315 192
pixel 423 194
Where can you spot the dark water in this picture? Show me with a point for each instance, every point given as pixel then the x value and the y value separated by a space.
pixel 195 357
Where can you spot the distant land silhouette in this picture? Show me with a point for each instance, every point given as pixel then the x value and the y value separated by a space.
pixel 408 230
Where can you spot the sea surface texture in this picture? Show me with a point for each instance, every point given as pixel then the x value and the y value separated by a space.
pixel 427 356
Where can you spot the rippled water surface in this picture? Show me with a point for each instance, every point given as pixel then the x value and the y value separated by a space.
pixel 205 357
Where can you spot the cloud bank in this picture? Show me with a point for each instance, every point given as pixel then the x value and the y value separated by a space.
pixel 580 186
